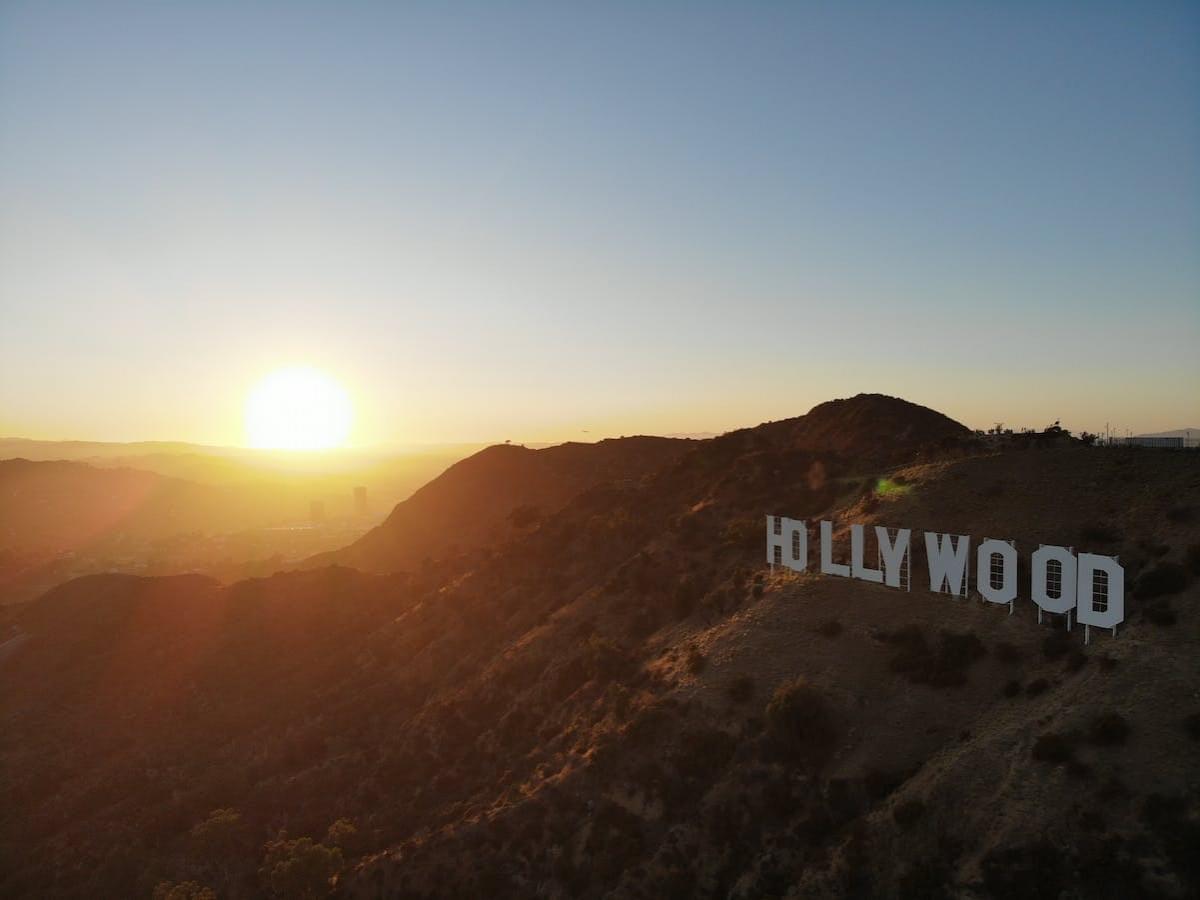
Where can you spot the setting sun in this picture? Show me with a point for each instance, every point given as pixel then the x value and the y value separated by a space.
pixel 298 409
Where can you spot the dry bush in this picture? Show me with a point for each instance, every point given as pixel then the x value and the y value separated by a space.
pixel 943 665
pixel 1108 729
pixel 741 689
pixel 1006 652
pixel 1037 686
pixel 1160 613
pixel 1099 533
pixel 800 722
pixel 1165 578
pixel 907 813
pixel 830 628
pixel 1053 748
pixel 1192 726
pixel 1191 559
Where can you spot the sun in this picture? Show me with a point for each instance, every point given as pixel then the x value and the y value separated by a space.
pixel 299 408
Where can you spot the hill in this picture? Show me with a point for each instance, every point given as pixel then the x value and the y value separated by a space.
pixel 59 519
pixel 161 508
pixel 621 700
pixel 472 504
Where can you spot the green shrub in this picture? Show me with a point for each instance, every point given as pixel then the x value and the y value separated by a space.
pixel 344 835
pixel 703 752
pixel 830 628
pixel 1160 613
pixel 1152 548
pixel 880 784
pixel 741 689
pixel 1076 660
pixel 1165 578
pixel 800 723
pixel 1006 652
pixel 1192 726
pixel 299 869
pixel 687 595
pixel 1181 515
pixel 1108 729
pixel 1053 748
pixel 1036 687
pixel 907 813
pixel 942 666
pixel 220 837
pixel 1056 645
pixel 1034 871
pixel 1099 533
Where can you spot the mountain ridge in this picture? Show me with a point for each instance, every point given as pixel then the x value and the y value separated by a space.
pixel 606 704
pixel 420 527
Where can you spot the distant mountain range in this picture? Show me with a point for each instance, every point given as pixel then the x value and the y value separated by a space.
pixel 150 506
pixel 497 493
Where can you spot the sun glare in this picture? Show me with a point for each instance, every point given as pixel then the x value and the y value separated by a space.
pixel 298 409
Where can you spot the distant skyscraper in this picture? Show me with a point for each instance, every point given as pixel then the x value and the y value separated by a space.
pixel 316 512
pixel 360 501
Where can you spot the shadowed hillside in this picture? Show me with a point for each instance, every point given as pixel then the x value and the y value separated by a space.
pixel 620 700
pixel 506 489
pixel 497 492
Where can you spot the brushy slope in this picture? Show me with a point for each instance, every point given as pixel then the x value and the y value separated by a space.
pixel 621 701
pixel 498 492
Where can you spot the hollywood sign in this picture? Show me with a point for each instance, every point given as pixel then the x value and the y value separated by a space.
pixel 1088 586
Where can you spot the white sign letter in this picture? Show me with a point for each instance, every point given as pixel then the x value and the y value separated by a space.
pixel 828 566
pixel 857 566
pixel 1053 574
pixel 996 571
pixel 1101 596
pixel 787 542
pixel 893 554
pixel 947 562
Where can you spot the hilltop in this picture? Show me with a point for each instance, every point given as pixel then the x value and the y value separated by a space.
pixel 496 493
pixel 505 490
pixel 605 701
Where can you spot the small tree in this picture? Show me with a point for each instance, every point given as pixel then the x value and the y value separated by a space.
pixel 300 869
pixel 221 834
pixel 222 842
pixel 800 723
pixel 343 835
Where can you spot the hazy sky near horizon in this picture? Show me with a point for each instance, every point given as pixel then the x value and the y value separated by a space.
pixel 545 221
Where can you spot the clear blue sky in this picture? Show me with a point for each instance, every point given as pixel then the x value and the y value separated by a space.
pixel 527 220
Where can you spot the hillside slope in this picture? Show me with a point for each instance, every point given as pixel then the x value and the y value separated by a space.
pixel 471 504
pixel 590 709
